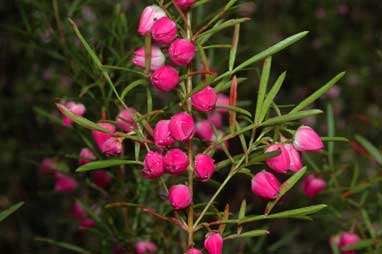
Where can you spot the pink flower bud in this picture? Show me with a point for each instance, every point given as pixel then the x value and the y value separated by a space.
pixel 166 78
pixel 157 58
pixel 204 167
pixel 148 17
pixel 86 156
pixel 87 223
pixel 162 134
pixel 76 108
pixel 46 166
pixel 125 119
pixel 64 183
pixel 313 185
pixel 101 178
pixel 281 162
pixel 153 165
pixel 182 126
pixel 204 100
pixel 164 30
pixel 176 161
pixel 77 210
pixel 214 243
pixel 181 52
pixel 100 137
pixel 179 196
pixel 294 157
pixel 145 247
pixel 204 130
pixel 307 140
pixel 184 3
pixel 112 146
pixel 222 100
pixel 265 185
pixel 348 238
pixel 216 119
pixel 193 251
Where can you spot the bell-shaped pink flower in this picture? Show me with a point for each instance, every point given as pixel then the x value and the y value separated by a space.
pixel 162 134
pixel 47 165
pixel 265 185
pixel 294 157
pixel 64 183
pixel 204 130
pixel 77 210
pixel 181 52
pixel 76 108
pixel 281 162
pixel 184 3
pixel 86 156
pixel 348 238
pixel 193 251
pixel 164 30
pixel 148 17
pixel 176 161
pixel 145 247
pixel 125 119
pixel 87 223
pixel 100 137
pixel 204 167
pixel 222 100
pixel 204 100
pixel 112 146
pixel 101 178
pixel 214 243
pixel 182 126
pixel 179 196
pixel 313 185
pixel 157 58
pixel 166 78
pixel 153 165
pixel 307 140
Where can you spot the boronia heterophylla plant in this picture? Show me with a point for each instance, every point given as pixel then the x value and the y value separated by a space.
pixel 187 141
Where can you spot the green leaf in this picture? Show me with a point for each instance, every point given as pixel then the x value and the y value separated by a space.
pixel 64 245
pixel 4 214
pixel 285 187
pixel 48 115
pixel 262 157
pixel 219 27
pixel 232 53
pixel 263 87
pixel 318 93
pixel 291 117
pixel 224 84
pixel 370 148
pixel 331 133
pixel 236 109
pixel 243 207
pixel 358 245
pixel 252 233
pixel 334 139
pixel 105 164
pixel 131 86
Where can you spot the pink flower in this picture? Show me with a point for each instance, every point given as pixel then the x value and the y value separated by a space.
pixel 194 251
pixel 347 238
pixel 204 167
pixel 214 243
pixel 281 162
pixel 222 100
pixel 182 126
pixel 215 118
pixel 166 78
pixel 77 210
pixel 162 135
pixel 204 130
pixel 179 196
pixel 313 185
pixel 125 119
pixel 100 137
pixel 157 58
pixel 145 247
pixel 86 156
pixel 148 17
pixel 112 146
pixel 47 165
pixel 307 140
pixel 181 52
pixel 164 30
pixel 76 108
pixel 101 178
pixel 265 185
pixel 87 223
pixel 153 165
pixel 64 183
pixel 184 3
pixel 176 161
pixel 294 157
pixel 204 100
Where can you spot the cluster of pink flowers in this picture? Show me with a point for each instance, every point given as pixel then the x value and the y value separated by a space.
pixel 342 240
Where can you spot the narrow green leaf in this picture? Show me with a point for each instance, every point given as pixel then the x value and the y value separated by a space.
pixel 236 109
pixel 370 148
pixel 232 53
pixel 105 164
pixel 331 133
pixel 263 87
pixel 262 157
pixel 252 233
pixel 358 245
pixel 149 98
pixel 63 245
pixel 49 116
pixel 219 27
pixel 131 86
pixel 291 117
pixel 242 210
pixel 4 214
pixel 334 139
pixel 318 93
